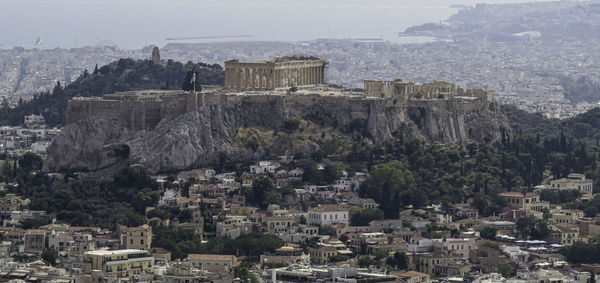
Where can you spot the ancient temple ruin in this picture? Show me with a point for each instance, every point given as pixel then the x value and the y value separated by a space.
pixel 431 90
pixel 282 72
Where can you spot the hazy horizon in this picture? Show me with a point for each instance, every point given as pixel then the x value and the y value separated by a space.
pixel 133 24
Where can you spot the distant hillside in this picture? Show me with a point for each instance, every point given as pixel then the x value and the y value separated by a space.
pixel 581 89
pixel 584 127
pixel 559 20
pixel 530 124
pixel 121 75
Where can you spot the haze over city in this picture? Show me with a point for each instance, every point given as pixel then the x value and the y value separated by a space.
pixel 135 23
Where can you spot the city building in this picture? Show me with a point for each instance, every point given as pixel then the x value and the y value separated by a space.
pixel 139 238
pixel 213 263
pixel 9 203
pixel 526 202
pixel 120 263
pixel 574 181
pixel 35 121
pixel 328 214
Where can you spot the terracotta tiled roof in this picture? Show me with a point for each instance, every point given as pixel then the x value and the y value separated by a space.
pixel 517 195
pixel 78 228
pixel 409 274
pixel 209 257
pixel 159 251
pixel 327 208
pixel 144 227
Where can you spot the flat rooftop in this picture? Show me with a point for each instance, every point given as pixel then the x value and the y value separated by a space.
pixel 116 252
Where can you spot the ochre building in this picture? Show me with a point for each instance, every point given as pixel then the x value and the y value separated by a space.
pixel 280 72
pixel 120 263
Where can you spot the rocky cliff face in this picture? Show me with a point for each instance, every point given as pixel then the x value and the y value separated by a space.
pixel 244 128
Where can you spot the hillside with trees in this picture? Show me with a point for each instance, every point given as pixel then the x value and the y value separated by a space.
pixel 583 127
pixel 121 75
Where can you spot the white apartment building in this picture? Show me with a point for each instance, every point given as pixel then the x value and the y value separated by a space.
pixel 574 181
pixel 328 214
pixel 264 167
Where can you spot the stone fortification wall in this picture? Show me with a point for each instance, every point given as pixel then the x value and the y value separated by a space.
pixel 138 115
pixel 142 115
pixel 186 130
pixel 438 119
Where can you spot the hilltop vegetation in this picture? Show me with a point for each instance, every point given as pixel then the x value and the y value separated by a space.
pixel 582 89
pixel 121 75
pixel 583 127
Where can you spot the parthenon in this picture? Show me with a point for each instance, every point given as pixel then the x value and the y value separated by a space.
pixel 280 72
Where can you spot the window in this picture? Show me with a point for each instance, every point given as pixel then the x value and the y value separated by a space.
pixel 131 241
pixel 142 242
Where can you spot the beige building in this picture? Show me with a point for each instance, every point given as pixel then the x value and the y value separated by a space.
pixel 526 202
pixel 566 216
pixel 574 181
pixel 139 238
pixel 427 262
pixel 279 224
pixel 412 276
pixel 282 72
pixel 120 263
pixel 322 254
pixel 35 240
pixel 213 263
pixel 9 203
pixel 564 235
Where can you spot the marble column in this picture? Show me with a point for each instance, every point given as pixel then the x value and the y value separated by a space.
pixel 320 75
pixel 316 75
pixel 305 76
pixel 243 79
pixel 249 78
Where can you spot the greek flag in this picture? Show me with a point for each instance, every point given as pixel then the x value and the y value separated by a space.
pixel 193 78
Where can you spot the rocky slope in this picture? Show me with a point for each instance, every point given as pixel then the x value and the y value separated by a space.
pixel 244 128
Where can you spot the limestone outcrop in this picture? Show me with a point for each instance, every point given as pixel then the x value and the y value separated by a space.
pixel 247 127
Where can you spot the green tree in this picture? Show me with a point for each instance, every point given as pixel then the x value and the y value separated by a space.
pixel 327 230
pixel 386 180
pixel 362 217
pixel 333 146
pixel 399 261
pixel 331 172
pixel 505 269
pixel 311 173
pixel 488 233
pixel 263 192
pixel 365 261
pixel 189 84
pixel 30 161
pixel 50 256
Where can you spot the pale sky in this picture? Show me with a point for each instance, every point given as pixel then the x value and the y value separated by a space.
pixel 136 23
